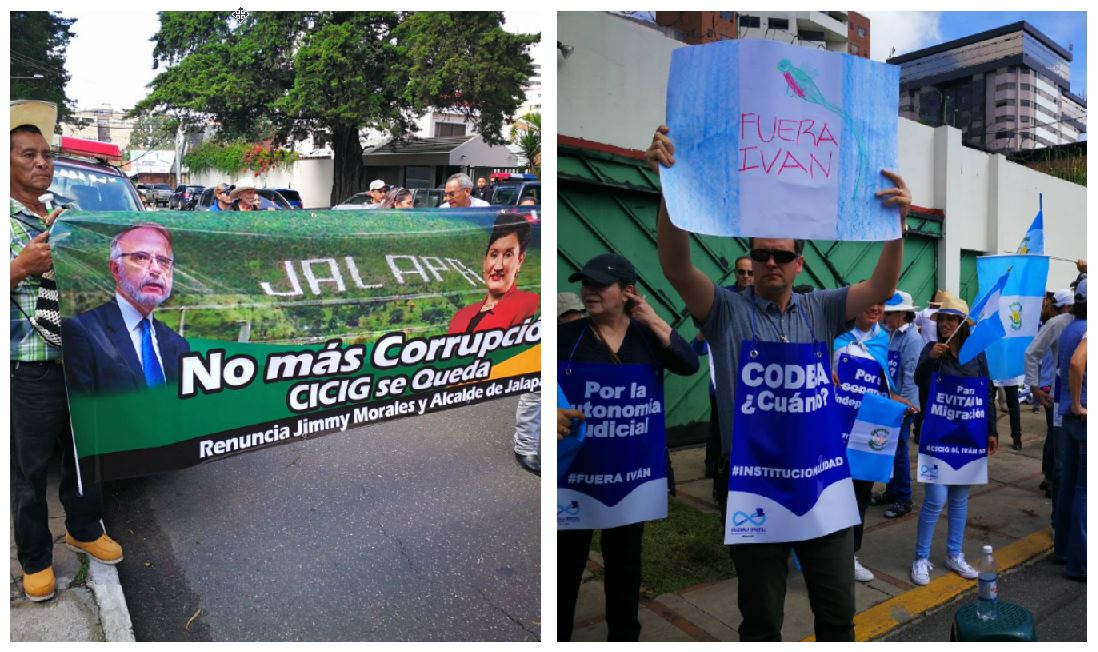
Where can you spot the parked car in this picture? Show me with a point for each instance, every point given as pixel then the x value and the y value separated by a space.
pixel 511 192
pixel 428 197
pixel 291 196
pixel 158 194
pixel 92 185
pixel 357 201
pixel 142 191
pixel 185 197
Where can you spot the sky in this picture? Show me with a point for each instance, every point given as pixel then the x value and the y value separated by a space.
pixel 913 30
pixel 110 55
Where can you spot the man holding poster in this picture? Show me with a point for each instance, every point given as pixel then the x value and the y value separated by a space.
pixel 789 487
pixel 610 366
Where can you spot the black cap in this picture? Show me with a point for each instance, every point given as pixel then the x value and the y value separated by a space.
pixel 605 269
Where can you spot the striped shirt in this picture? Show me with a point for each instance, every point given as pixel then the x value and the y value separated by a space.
pixel 26 344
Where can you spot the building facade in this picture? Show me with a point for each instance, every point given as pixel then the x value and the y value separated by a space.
pixel 836 31
pixel 1006 89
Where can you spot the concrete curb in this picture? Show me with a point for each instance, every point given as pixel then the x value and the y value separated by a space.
pixel 883 617
pixel 114 615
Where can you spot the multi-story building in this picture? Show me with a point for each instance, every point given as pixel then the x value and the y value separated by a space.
pixel 1006 89
pixel 104 124
pixel 836 31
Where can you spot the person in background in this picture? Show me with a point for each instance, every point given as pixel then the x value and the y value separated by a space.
pixel 397 198
pixel 481 191
pixel 458 193
pixel 244 196
pixel 1070 527
pixel 378 191
pixel 222 202
pixel 942 358
pixel 904 346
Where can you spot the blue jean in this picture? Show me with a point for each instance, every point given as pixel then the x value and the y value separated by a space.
pixel 899 487
pixel 1071 499
pixel 933 501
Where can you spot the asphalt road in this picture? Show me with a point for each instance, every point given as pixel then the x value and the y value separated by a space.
pixel 1058 605
pixel 421 529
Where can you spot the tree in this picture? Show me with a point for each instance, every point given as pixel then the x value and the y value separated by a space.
pixel 284 76
pixel 153 132
pixel 39 40
pixel 526 134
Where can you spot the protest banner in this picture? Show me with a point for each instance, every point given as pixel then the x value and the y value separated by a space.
pixel 858 377
pixel 953 443
pixel 1019 307
pixel 777 140
pixel 273 327
pixel 619 473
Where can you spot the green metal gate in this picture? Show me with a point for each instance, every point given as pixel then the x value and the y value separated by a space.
pixel 609 203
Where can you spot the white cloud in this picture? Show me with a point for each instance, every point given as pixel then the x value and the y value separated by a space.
pixel 905 31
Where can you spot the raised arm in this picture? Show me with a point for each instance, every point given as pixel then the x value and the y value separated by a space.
pixel 695 288
pixel 882 284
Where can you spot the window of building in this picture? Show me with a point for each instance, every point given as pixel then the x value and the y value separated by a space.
pixel 1008 102
pixel 750 21
pixel 726 15
pixel 1025 118
pixel 447 129
pixel 853 49
pixel 1002 134
pixel 1004 118
pixel 1026 87
pixel 1004 87
pixel 861 32
pixel 778 23
pixel 811 35
pixel 1025 102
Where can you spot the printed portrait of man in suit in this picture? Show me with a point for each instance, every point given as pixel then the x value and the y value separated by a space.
pixel 120 346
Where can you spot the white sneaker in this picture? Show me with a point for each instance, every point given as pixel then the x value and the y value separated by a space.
pixel 861 573
pixel 920 571
pixel 961 567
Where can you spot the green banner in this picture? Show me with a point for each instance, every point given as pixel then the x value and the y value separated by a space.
pixel 189 337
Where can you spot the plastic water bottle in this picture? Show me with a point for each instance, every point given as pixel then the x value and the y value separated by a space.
pixel 987 606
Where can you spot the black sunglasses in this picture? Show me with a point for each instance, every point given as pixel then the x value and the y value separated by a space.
pixel 781 256
pixel 744 272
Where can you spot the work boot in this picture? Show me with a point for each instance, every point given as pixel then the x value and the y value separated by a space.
pixel 104 549
pixel 39 586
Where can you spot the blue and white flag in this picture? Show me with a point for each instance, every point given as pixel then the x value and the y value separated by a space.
pixel 953 444
pixel 1034 241
pixel 1019 307
pixel 989 328
pixel 872 443
pixel 619 474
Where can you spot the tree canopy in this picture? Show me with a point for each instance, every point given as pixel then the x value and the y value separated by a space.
pixel 38 43
pixel 284 76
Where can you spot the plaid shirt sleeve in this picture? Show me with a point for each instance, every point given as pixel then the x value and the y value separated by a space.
pixel 26 344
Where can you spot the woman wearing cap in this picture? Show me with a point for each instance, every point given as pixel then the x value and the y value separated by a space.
pixel 504 305
pixel 939 368
pixel 612 363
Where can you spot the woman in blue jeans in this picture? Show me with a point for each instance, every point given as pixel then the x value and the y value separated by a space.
pixel 939 357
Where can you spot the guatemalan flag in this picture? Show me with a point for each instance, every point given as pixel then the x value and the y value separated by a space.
pixel 989 328
pixel 1034 241
pixel 873 438
pixel 1019 308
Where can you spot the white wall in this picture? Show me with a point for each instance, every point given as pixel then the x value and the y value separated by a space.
pixel 612 90
pixel 311 178
pixel 613 87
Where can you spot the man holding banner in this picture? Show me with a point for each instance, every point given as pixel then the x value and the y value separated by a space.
pixel 958 402
pixel 610 367
pixel 771 350
pixel 39 410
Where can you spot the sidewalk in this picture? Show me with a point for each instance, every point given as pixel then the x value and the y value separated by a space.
pixel 88 605
pixel 1009 512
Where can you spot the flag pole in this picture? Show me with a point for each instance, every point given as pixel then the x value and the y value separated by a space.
pixel 1066 260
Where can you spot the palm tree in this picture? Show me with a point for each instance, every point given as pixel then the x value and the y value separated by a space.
pixel 526 134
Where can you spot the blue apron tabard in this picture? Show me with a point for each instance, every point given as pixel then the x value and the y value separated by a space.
pixel 619 474
pixel 953 444
pixel 894 367
pixel 857 377
pixel 788 478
